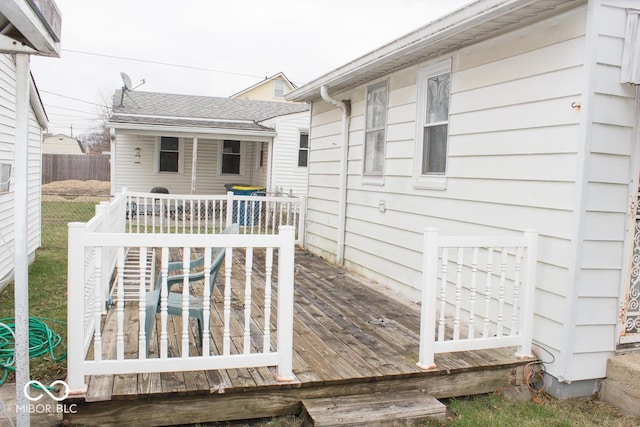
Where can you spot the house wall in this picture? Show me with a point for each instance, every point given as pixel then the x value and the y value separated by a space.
pixel 285 172
pixel 265 92
pixel 7 155
pixel 516 149
pixel 608 183
pixel 60 144
pixel 142 176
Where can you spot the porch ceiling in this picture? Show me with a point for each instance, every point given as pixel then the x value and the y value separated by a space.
pixel 473 23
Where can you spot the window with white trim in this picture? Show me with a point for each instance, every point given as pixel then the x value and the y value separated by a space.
pixel 375 129
pixel 432 133
pixel 5 177
pixel 303 150
pixel 169 154
pixel 231 155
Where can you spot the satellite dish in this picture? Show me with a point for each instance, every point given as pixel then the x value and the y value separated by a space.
pixel 128 87
pixel 126 80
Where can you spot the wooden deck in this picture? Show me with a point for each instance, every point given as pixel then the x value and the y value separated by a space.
pixel 348 339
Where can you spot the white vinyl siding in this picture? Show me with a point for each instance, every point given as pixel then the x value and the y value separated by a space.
pixel 142 176
pixel 513 150
pixel 34 177
pixel 286 175
pixel 612 143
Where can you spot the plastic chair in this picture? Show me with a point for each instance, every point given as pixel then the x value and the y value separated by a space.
pixel 174 299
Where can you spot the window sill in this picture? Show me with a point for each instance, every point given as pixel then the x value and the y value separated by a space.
pixel 373 180
pixel 430 182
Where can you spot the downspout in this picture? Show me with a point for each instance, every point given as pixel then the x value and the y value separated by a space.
pixel 345 106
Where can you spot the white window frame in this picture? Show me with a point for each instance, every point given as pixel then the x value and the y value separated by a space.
pixel 435 181
pixel 300 133
pixel 180 155
pixel 375 178
pixel 243 156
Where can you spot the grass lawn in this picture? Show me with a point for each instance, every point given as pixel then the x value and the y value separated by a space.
pixel 47 298
pixel 48 284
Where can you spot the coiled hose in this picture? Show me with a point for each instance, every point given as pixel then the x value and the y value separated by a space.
pixel 42 340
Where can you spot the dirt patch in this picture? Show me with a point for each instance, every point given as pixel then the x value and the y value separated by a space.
pixel 77 188
pixel 79 191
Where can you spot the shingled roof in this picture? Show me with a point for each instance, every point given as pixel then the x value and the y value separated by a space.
pixel 144 107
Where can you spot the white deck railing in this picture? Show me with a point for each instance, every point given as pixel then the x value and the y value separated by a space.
pixel 477 294
pixel 194 214
pixel 98 248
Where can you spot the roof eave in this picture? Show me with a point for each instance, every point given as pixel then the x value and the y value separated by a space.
pixel 447 27
pixel 190 130
pixel 31 26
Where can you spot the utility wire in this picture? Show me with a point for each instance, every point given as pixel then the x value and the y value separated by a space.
pixel 69 109
pixel 70 97
pixel 147 61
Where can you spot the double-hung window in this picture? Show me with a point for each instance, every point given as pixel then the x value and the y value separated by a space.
pixel 375 129
pixel 231 157
pixel 303 150
pixel 5 177
pixel 434 85
pixel 169 154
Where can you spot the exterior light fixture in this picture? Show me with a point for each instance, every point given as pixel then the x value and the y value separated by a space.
pixel 137 155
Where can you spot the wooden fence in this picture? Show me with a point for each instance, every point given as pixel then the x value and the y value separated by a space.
pixel 62 167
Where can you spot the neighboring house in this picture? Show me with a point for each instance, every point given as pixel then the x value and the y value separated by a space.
pixel 500 117
pixel 272 88
pixel 26 29
pixel 197 144
pixel 61 144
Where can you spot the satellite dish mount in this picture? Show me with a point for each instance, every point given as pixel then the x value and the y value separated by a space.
pixel 127 86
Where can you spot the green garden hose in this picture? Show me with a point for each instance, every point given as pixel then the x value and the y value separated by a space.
pixel 42 340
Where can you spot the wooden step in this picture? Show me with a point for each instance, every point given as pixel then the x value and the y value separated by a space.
pixel 375 409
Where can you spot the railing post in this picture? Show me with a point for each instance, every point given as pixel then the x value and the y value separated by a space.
pixel 286 260
pixel 229 208
pixel 526 310
pixel 301 220
pixel 75 316
pixel 105 274
pixel 426 356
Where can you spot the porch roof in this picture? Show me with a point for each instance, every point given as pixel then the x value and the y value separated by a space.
pixel 176 106
pixel 470 24
pixel 136 122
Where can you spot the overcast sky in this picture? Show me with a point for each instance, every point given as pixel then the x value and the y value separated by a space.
pixel 217 47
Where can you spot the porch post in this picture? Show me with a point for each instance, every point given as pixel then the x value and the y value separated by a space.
pixel 75 317
pixel 20 240
pixel 229 208
pixel 194 163
pixel 526 310
pixel 286 260
pixel 426 355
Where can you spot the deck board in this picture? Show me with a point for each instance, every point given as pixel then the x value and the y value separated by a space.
pixel 348 339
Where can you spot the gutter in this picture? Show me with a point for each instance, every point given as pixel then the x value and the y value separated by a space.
pixel 204 132
pixel 345 106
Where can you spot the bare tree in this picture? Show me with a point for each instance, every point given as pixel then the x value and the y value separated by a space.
pixel 97 141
